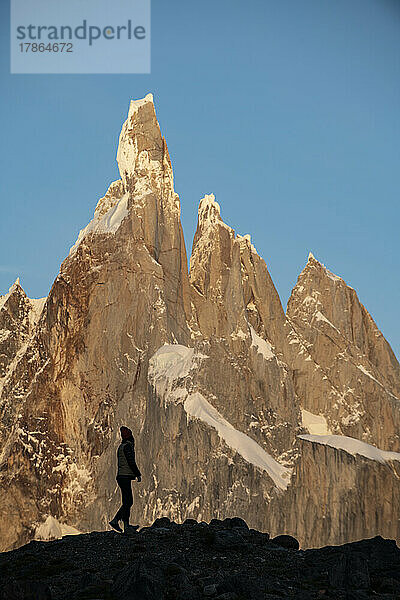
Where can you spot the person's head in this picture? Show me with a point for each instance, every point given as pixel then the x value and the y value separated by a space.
pixel 126 433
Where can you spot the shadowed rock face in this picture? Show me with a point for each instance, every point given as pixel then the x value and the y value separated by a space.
pixel 215 382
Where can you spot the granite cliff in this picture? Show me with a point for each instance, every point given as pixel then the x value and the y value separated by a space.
pixel 290 421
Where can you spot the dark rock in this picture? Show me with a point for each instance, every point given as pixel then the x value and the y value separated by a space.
pixel 190 522
pixel 93 591
pixel 162 522
pixel 160 529
pixel 141 581
pixel 93 585
pixel 143 530
pixel 237 522
pixel 227 523
pixel 216 524
pixel 286 541
pixel 137 547
pixel 357 595
pixel 180 562
pixel 207 581
pixel 349 571
pixel 227 540
pixel 190 594
pixel 184 588
pixel 208 536
pixel 387 585
pixel 26 590
pixel 257 538
pixel 243 585
pixel 173 568
pixel 210 590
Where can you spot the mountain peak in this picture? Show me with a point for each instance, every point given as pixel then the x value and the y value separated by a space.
pixel 209 210
pixel 135 105
pixel 16 287
pixel 140 138
pixel 314 262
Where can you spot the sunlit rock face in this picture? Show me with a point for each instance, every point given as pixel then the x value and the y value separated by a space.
pixel 290 422
pixel 122 292
pixel 343 367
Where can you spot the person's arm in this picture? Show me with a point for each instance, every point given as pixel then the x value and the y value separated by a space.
pixel 130 457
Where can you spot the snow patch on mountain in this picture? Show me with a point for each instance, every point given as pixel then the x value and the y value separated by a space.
pixel 353 446
pixel 173 362
pixel 170 363
pixel 262 346
pixel 316 424
pixel 196 406
pixel 368 374
pixel 51 529
pixel 239 335
pixel 107 223
pixel 318 316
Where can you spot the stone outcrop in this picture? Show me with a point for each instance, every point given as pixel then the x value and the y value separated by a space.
pixel 289 421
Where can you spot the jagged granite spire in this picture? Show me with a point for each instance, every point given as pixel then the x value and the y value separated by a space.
pixel 235 409
pixel 343 364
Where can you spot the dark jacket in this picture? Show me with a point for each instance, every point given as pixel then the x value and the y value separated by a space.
pixel 127 466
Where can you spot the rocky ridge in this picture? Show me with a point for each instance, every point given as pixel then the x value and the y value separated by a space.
pixel 222 560
pixel 290 421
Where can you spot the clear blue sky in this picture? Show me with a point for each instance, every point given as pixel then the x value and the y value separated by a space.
pixel 289 111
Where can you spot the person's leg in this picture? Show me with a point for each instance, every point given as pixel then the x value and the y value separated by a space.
pixel 120 514
pixel 127 500
pixel 121 511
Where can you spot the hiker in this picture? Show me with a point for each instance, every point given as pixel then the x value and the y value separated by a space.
pixel 127 471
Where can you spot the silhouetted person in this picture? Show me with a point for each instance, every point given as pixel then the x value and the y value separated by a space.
pixel 127 471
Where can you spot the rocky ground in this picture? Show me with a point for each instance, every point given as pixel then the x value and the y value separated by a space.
pixel 222 560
